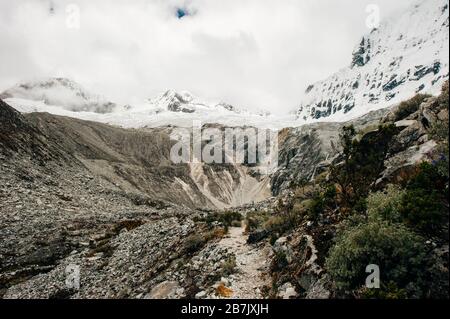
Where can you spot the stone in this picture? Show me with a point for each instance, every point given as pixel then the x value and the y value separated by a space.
pixel 287 291
pixel 201 295
pixel 164 290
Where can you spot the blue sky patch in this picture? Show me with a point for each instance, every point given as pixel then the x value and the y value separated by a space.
pixel 181 13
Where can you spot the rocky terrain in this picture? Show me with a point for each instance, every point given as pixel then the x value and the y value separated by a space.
pixel 74 192
pixel 109 201
pixel 301 261
pixel 88 187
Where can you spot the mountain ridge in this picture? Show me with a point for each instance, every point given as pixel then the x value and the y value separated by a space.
pixel 406 55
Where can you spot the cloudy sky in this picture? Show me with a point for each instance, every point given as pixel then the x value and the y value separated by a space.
pixel 251 53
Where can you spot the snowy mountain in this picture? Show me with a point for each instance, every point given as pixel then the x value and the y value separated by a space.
pixel 67 98
pixel 186 102
pixel 406 55
pixel 182 108
pixel 62 92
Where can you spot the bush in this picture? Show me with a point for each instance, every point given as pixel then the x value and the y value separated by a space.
pixel 422 210
pixel 228 267
pixel 227 219
pixel 316 207
pixel 420 206
pixel 386 205
pixel 362 162
pixel 399 253
pixel 194 243
pixel 410 106
pixel 236 223
pixel 424 205
pixel 255 220
pixel 279 224
pixel 262 225
pixel 387 291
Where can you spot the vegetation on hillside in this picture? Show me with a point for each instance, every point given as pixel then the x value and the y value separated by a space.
pixel 358 220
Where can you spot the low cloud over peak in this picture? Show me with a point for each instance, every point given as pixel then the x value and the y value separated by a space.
pixel 252 53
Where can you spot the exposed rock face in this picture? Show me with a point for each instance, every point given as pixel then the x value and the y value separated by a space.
pixel 303 276
pixel 406 55
pixel 413 143
pixel 133 160
pixel 18 135
pixel 11 120
pixel 306 151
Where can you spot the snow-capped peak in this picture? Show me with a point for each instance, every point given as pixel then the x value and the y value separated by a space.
pixel 61 92
pixel 186 102
pixel 175 102
pixel 407 54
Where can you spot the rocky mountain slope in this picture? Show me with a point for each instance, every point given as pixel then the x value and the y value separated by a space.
pixel 137 161
pixel 405 55
pixel 89 193
pixel 108 200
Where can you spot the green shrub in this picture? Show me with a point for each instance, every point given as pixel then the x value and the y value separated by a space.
pixel 320 201
pixel 399 252
pixel 425 203
pixel 228 266
pixel 194 243
pixel 428 177
pixel 316 207
pixel 410 106
pixel 236 223
pixel 444 96
pixel 263 225
pixel 283 222
pixel 422 210
pixel 386 291
pixel 386 205
pixel 362 162
pixel 255 220
pixel 227 219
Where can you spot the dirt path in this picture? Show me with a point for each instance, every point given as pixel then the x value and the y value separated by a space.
pixel 251 266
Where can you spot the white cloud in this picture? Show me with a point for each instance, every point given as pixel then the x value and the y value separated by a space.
pixel 252 53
